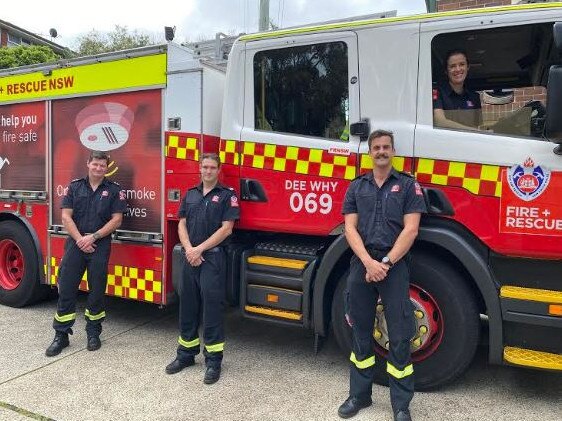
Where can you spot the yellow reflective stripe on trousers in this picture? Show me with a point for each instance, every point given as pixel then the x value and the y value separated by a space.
pixel 366 363
pixel 188 344
pixel 65 318
pixel 215 347
pixel 94 317
pixel 399 374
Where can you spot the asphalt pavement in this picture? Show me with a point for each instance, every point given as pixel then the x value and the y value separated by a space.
pixel 269 373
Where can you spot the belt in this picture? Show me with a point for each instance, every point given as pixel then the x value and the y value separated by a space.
pixel 377 254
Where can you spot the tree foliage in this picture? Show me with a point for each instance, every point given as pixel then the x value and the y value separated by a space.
pixel 96 42
pixel 23 55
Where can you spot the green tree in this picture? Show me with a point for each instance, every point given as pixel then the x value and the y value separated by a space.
pixel 23 55
pixel 120 38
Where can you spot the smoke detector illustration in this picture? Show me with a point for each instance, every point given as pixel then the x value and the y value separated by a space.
pixel 104 126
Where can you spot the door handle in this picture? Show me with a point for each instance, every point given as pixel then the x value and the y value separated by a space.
pixel 252 191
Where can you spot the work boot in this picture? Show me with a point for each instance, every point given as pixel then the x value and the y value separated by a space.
pixel 94 343
pixel 352 406
pixel 212 375
pixel 59 343
pixel 402 415
pixel 178 365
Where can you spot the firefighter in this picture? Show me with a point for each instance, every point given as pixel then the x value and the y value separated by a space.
pixel 92 208
pixel 382 211
pixel 207 214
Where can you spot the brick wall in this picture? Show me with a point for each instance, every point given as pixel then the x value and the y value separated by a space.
pixel 446 5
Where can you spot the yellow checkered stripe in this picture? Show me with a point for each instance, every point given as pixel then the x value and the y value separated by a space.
pixel 290 159
pixel 400 163
pixel 122 281
pixel 479 179
pixel 182 147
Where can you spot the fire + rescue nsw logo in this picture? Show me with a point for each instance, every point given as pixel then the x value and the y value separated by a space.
pixel 528 181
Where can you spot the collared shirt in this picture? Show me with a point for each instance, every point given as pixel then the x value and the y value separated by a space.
pixel 381 210
pixel 205 213
pixel 464 108
pixel 91 209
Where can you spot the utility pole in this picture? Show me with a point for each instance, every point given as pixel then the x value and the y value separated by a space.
pixel 264 15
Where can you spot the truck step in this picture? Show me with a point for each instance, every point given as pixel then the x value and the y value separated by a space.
pixel 531 358
pixel 280 314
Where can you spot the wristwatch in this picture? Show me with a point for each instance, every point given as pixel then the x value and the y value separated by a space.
pixel 386 260
pixel 96 236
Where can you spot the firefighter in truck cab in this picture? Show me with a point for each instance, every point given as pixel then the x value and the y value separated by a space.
pixel 382 211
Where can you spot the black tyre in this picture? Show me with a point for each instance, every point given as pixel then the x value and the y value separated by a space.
pixel 19 272
pixel 447 311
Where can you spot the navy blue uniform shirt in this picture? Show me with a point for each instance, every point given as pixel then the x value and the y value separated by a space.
pixel 464 108
pixel 205 213
pixel 381 210
pixel 91 210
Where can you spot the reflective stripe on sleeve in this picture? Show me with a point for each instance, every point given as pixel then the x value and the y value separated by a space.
pixel 399 374
pixel 65 317
pixel 188 344
pixel 215 348
pixel 366 363
pixel 94 317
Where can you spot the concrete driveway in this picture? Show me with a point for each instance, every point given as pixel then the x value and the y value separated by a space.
pixel 269 373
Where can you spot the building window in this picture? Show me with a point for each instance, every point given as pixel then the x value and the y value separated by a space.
pixel 303 90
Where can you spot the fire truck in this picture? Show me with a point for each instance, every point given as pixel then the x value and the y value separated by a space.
pixel 289 117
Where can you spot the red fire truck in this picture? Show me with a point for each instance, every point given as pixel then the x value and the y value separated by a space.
pixel 289 118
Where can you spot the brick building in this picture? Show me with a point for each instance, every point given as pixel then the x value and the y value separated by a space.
pixel 12 35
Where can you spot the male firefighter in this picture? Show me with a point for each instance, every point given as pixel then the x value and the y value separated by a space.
pixel 382 211
pixel 207 214
pixel 92 209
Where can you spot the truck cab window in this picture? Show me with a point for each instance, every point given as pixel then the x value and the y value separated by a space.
pixel 493 80
pixel 290 84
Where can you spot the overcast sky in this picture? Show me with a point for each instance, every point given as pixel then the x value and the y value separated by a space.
pixel 193 19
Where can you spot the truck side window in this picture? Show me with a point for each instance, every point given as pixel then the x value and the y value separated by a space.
pixel 493 80
pixel 303 90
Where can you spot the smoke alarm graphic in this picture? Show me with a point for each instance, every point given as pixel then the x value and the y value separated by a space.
pixel 105 126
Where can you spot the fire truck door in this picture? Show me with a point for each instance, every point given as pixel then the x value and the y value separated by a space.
pixel 297 155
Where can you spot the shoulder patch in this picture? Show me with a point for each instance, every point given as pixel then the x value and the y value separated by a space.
pixel 114 182
pixel 76 180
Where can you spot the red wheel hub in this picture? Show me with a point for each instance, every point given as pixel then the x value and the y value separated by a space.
pixel 11 265
pixel 429 326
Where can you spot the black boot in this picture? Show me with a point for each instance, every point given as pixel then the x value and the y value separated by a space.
pixel 402 415
pixel 352 406
pixel 59 343
pixel 212 375
pixel 94 343
pixel 178 365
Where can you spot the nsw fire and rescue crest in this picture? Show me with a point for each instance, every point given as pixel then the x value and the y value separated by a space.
pixel 528 181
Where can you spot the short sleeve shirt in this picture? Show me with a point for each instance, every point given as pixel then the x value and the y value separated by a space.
pixel 205 213
pixel 464 108
pixel 91 209
pixel 381 210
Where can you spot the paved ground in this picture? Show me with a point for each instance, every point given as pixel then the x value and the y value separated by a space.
pixel 269 373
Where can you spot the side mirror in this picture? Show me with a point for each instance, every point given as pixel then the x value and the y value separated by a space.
pixel 361 128
pixel 553 125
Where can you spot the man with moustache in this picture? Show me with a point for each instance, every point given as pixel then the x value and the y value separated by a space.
pixel 382 211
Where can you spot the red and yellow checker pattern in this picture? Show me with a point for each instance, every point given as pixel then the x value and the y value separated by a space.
pixel 182 147
pixel 291 159
pixel 123 281
pixel 479 179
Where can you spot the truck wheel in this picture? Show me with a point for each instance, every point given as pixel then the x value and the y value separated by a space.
pixel 19 275
pixel 447 318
